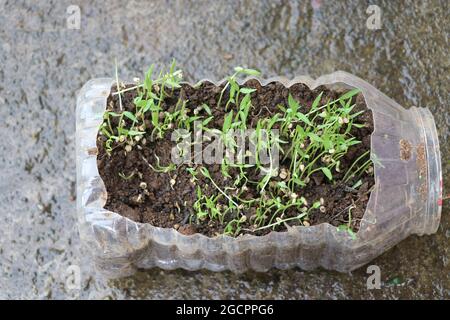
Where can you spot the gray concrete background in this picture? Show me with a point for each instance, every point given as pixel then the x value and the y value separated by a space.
pixel 43 64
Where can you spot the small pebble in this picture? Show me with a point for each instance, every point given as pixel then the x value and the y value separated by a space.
pixel 283 173
pixel 137 199
pixel 228 56
pixel 306 223
pixel 143 185
pixel 187 229
pixel 128 148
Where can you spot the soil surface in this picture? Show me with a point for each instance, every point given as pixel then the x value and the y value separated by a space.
pixel 167 198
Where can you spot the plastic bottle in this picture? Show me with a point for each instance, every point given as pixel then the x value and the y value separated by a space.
pixel 406 200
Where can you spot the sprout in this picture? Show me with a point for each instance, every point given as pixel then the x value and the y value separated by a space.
pixel 311 140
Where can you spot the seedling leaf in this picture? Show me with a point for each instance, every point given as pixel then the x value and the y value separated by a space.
pixel 327 173
pixel 247 90
pixel 130 116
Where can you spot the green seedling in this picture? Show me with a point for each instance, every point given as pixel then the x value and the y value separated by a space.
pixel 159 168
pixel 234 86
pixel 125 177
pixel 312 140
pixel 353 170
pixel 193 173
pixel 348 227
pixel 206 173
pixel 207 206
pixel 118 85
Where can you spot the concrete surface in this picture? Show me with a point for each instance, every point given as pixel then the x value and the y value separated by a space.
pixel 43 63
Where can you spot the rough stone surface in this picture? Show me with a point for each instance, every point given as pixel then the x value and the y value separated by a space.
pixel 43 64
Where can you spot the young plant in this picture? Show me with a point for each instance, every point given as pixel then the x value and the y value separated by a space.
pixel 234 86
pixel 159 168
pixel 348 227
pixel 312 141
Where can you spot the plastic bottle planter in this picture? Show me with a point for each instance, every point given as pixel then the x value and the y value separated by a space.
pixel 406 200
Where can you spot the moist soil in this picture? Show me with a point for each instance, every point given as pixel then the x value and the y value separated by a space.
pixel 164 203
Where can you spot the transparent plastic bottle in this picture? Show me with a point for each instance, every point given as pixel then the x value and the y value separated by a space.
pixel 406 199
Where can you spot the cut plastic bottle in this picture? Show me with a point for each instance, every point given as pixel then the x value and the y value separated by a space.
pixel 406 200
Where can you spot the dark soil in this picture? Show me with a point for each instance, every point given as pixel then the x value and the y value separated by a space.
pixel 165 205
